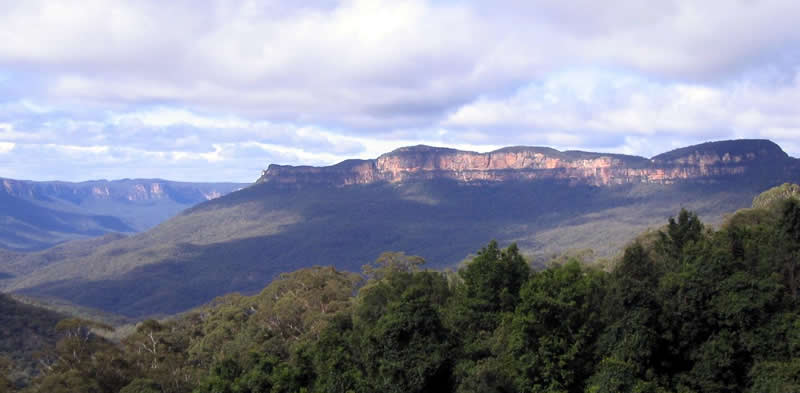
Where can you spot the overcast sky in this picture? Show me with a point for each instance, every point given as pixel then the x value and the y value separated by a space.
pixel 206 90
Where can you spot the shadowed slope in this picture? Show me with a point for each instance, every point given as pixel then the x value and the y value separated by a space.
pixel 241 241
pixel 37 215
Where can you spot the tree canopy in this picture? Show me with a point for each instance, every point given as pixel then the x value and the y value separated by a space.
pixel 690 309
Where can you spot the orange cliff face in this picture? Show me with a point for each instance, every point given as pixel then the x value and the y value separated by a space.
pixel 704 163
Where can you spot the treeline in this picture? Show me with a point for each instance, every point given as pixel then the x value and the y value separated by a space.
pixel 24 330
pixel 685 309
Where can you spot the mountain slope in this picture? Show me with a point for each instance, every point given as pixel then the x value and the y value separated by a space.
pixel 26 225
pixel 36 215
pixel 24 330
pixel 437 203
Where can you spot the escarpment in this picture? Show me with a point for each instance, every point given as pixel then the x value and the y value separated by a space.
pixel 705 163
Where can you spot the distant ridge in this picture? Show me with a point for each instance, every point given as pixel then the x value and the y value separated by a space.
pixel 706 161
pixel 751 149
pixel 36 215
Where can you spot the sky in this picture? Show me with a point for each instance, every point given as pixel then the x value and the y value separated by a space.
pixel 216 90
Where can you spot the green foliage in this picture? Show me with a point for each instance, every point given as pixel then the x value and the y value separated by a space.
pixel 491 283
pixel 25 331
pixel 555 327
pixel 776 377
pixel 336 359
pixel 70 381
pixel 618 376
pixel 789 236
pixel 407 347
pixel 141 385
pixel 687 309
pixel 680 233
pixel 495 277
pixel 392 262
pixel 772 198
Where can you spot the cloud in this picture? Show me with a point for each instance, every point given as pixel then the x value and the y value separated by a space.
pixel 376 63
pixel 200 86
pixel 583 109
pixel 6 147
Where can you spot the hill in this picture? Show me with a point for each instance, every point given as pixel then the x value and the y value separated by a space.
pixel 436 203
pixel 686 308
pixel 25 330
pixel 27 225
pixel 37 215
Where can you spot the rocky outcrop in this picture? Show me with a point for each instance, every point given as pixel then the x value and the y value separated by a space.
pixel 706 162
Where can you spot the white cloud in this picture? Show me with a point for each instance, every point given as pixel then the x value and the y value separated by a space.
pixel 164 117
pixel 6 147
pixel 602 104
pixel 200 86
pixel 368 63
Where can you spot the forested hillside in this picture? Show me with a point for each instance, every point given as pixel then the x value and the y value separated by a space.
pixel 242 241
pixel 685 309
pixel 438 203
pixel 24 331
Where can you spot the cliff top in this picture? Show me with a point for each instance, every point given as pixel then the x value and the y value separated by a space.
pixel 760 148
pixel 529 162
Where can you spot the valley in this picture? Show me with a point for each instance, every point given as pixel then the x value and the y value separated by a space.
pixel 38 215
pixel 435 203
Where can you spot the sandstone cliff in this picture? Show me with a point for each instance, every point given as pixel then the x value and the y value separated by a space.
pixel 706 162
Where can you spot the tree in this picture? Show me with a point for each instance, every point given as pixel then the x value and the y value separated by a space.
pixel 82 358
pixel 335 358
pixel 140 385
pixel 618 376
pixel 392 262
pixel 407 350
pixel 555 328
pixel 300 303
pixel 222 379
pixel 680 233
pixel 160 354
pixel 70 381
pixel 632 308
pixel 485 294
pixel 491 285
pixel 78 341
pixel 776 377
pixel 789 233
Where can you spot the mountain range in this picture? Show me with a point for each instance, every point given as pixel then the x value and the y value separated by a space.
pixel 700 163
pixel 441 204
pixel 37 215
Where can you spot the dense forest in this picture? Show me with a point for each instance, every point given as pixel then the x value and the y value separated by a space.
pixel 686 308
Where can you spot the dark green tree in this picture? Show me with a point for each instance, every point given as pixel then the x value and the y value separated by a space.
pixel 555 328
pixel 680 233
pixel 141 385
pixel 335 357
pixel 407 349
pixel 82 358
pixel 490 286
pixel 632 337
pixel 776 377
pixel 789 234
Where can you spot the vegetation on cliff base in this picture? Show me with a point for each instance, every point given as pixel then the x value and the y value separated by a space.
pixel 686 309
